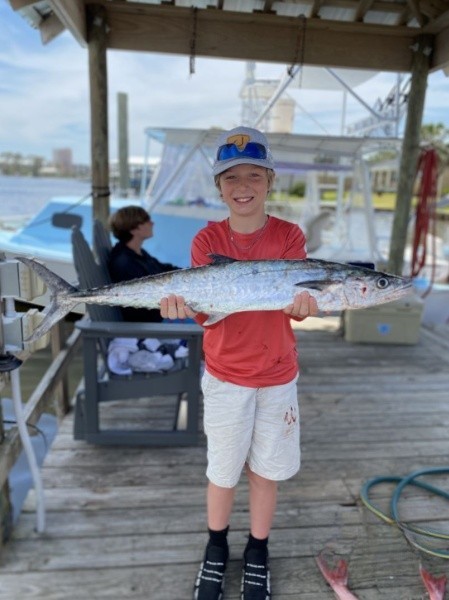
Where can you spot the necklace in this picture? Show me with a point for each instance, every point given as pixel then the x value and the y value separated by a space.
pixel 256 239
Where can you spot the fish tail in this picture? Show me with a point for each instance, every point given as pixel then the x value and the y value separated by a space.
pixel 436 586
pixel 61 301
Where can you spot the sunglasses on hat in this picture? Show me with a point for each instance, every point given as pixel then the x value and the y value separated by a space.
pixel 251 150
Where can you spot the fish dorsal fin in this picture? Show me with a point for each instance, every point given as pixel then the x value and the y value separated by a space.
pixel 318 285
pixel 221 259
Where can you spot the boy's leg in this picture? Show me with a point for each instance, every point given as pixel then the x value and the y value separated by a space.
pixel 219 506
pixel 210 578
pixel 262 503
pixel 229 427
pixel 275 454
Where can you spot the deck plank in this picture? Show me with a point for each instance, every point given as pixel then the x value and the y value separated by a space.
pixel 118 518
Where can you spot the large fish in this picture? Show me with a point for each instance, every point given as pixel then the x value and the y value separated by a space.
pixel 227 286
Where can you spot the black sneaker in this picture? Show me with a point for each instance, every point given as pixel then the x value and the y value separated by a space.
pixel 210 579
pixel 256 576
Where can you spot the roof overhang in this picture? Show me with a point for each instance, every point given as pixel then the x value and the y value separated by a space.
pixel 378 35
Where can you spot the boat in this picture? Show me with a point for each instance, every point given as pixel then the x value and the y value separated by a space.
pixel 182 199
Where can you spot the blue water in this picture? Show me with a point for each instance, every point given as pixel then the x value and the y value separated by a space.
pixel 27 195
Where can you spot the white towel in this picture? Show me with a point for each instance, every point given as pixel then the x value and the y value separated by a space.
pixel 144 361
pixel 124 356
pixel 118 360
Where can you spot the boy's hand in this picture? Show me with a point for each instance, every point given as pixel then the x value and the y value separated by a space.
pixel 304 305
pixel 174 307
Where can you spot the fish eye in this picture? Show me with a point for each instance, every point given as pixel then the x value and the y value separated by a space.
pixel 382 283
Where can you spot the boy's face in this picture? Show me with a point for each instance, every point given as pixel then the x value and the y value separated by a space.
pixel 244 189
pixel 143 231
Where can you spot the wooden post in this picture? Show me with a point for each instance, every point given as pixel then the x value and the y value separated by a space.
pixel 410 151
pixel 61 401
pixel 97 40
pixel 5 498
pixel 6 514
pixel 122 106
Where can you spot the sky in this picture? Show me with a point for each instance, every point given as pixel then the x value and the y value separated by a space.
pixel 44 94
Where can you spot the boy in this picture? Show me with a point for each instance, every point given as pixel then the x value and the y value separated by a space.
pixel 249 385
pixel 132 226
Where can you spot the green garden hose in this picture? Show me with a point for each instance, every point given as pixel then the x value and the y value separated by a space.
pixel 394 519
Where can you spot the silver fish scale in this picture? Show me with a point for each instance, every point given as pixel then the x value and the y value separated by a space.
pixel 227 287
pixel 252 285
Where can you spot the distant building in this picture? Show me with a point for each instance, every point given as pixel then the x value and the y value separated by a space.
pixel 63 161
pixel 136 168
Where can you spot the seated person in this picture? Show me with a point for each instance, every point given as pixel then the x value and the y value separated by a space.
pixel 132 225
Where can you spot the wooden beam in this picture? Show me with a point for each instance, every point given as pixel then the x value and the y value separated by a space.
pixel 432 9
pixel 377 5
pixel 267 7
pixel 440 56
pixel 72 13
pixel 404 17
pixel 225 34
pixel 362 9
pixel 122 126
pixel 97 43
pixel 315 9
pixel 50 28
pixel 410 152
pixel 414 7
pixel 438 24
pixel 6 510
pixel 18 4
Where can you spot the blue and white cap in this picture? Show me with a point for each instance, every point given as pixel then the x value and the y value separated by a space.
pixel 242 145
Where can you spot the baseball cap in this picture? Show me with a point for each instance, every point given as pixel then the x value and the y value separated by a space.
pixel 242 145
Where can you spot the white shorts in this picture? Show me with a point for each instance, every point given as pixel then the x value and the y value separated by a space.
pixel 257 426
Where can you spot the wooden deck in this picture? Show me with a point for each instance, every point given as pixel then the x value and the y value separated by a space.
pixel 129 523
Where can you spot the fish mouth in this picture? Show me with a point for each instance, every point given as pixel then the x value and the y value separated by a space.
pixel 403 290
pixel 407 284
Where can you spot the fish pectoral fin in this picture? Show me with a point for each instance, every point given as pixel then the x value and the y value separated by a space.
pixel 215 318
pixel 319 285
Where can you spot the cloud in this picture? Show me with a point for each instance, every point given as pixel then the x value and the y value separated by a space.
pixel 161 92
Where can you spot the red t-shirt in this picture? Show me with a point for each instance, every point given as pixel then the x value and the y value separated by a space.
pixel 253 348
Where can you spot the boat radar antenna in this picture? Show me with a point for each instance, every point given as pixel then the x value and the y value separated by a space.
pixel 386 115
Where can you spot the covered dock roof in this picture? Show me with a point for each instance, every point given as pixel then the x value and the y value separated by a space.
pixel 366 34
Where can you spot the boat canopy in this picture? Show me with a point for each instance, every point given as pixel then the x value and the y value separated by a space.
pixel 184 176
